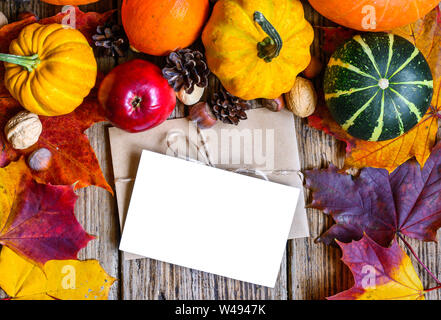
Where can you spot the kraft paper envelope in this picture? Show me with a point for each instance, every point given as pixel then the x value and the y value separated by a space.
pixel 192 215
pixel 266 141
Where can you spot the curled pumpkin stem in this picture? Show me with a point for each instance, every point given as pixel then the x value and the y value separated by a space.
pixel 270 47
pixel 27 62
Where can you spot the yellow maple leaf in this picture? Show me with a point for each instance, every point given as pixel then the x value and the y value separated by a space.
pixel 379 273
pixel 11 177
pixel 58 279
pixel 404 285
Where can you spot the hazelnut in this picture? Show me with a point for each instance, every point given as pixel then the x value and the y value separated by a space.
pixel 190 99
pixel 202 116
pixel 302 99
pixel 314 68
pixel 275 105
pixel 40 159
pixel 23 130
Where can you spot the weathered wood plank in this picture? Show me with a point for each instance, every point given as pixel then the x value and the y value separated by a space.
pixel 315 270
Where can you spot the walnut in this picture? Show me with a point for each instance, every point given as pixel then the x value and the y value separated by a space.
pixel 302 99
pixel 23 130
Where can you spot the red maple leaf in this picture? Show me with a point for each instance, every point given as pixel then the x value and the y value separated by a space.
pixel 74 161
pixel 379 204
pixel 36 220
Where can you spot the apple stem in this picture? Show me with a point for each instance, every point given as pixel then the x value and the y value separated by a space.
pixel 407 244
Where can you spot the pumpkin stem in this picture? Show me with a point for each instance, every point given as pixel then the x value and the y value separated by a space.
pixel 270 47
pixel 27 62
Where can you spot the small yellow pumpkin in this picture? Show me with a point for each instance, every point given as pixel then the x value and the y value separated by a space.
pixel 50 69
pixel 257 47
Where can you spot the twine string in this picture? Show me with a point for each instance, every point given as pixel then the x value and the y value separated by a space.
pixel 204 154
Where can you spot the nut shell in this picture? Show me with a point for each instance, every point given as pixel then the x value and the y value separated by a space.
pixel 314 68
pixel 274 105
pixel 23 130
pixel 40 159
pixel 302 99
pixel 190 99
pixel 3 19
pixel 202 116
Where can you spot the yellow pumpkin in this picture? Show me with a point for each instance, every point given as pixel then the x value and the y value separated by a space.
pixel 257 47
pixel 50 69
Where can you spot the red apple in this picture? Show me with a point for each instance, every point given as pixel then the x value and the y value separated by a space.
pixel 136 96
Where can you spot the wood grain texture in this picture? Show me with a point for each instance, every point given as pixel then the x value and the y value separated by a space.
pixel 308 270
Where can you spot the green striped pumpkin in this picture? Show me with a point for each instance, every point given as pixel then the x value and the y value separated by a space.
pixel 378 86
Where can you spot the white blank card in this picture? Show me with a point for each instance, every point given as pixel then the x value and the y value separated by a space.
pixel 209 219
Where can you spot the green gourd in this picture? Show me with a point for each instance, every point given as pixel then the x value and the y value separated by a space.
pixel 378 86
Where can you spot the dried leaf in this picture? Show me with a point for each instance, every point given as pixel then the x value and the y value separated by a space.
pixel 381 205
pixel 379 273
pixel 86 22
pixel 334 37
pixel 63 280
pixel 37 221
pixel 426 35
pixel 74 161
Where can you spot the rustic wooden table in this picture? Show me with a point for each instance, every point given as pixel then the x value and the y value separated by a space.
pixel 308 270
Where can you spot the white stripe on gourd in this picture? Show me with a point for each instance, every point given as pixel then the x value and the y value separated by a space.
pixel 340 93
pixel 409 60
pixel 400 121
pixel 367 50
pixel 412 107
pixel 351 121
pixel 380 122
pixel 345 65
pixel 391 52
pixel 427 83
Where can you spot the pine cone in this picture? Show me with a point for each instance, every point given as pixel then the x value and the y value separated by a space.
pixel 228 108
pixel 113 38
pixel 186 68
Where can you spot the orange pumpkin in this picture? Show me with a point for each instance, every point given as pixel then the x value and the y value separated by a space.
pixel 373 15
pixel 159 27
pixel 71 2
